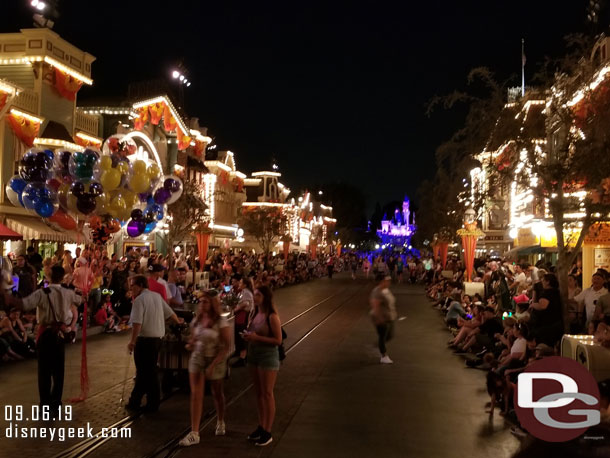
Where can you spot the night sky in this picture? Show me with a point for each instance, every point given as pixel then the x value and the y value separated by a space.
pixel 332 92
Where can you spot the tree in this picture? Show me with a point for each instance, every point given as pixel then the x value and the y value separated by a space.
pixel 567 172
pixel 443 200
pixel 265 224
pixel 188 214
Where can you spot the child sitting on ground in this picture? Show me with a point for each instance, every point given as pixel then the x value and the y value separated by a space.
pixel 106 316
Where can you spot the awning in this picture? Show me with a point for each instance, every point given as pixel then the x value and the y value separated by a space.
pixel 8 234
pixel 33 228
pixel 526 250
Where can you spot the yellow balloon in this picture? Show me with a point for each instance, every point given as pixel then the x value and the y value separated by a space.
pixel 139 183
pixel 118 204
pixel 124 215
pixel 131 198
pixel 110 179
pixel 123 167
pixel 72 203
pixel 154 171
pixel 139 167
pixel 102 204
pixel 63 192
pixel 105 163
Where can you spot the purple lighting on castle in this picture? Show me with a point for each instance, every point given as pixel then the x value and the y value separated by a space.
pixel 402 231
pixel 398 229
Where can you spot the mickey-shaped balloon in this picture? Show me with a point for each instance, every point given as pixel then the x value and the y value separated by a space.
pixel 14 190
pixel 36 166
pixel 84 196
pixel 82 165
pixel 110 171
pixel 62 165
pixel 169 190
pixel 41 199
pixel 140 180
pixel 137 224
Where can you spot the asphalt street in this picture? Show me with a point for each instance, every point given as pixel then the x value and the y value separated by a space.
pixel 333 397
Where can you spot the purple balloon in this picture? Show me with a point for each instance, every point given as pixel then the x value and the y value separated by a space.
pixel 85 204
pixel 171 185
pixel 77 188
pixel 162 195
pixel 135 228
pixel 136 214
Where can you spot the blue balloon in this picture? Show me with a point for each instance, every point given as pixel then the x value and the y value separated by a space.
pixel 49 154
pixel 150 227
pixel 17 184
pixel 37 197
pixel 30 197
pixel 45 207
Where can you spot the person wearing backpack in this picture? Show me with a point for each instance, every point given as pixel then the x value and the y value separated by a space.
pixel 57 317
pixel 264 336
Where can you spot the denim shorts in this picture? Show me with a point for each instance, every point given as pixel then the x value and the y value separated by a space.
pixel 264 357
pixel 199 363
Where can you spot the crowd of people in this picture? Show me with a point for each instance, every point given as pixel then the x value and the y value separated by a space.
pixel 104 279
pixel 515 319
pixel 141 291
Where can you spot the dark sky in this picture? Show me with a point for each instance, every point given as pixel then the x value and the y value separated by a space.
pixel 332 91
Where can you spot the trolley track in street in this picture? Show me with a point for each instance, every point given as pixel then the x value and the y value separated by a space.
pixel 171 448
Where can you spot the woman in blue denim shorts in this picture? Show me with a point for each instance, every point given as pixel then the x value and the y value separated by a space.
pixel 209 343
pixel 263 335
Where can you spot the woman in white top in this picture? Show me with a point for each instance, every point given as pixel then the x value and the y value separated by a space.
pixel 210 342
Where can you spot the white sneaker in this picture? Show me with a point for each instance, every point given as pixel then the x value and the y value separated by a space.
pixel 220 428
pixel 386 360
pixel 191 438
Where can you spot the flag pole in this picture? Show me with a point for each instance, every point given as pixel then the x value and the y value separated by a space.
pixel 522 67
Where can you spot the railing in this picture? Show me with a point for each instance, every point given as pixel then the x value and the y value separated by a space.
pixel 27 100
pixel 88 124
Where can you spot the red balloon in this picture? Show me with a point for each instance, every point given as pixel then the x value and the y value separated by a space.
pixel 64 220
pixel 95 222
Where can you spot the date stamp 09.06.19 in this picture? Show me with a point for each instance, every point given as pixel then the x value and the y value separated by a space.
pixel 18 415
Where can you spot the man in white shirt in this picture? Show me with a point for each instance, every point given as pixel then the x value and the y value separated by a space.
pixel 148 315
pixel 57 313
pixel 587 299
pixel 144 261
pixel 519 280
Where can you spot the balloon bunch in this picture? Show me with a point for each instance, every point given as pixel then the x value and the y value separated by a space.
pixel 31 188
pixel 102 229
pixel 167 191
pixel 108 189
pixel 145 221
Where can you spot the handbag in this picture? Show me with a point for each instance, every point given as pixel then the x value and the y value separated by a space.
pixel 241 318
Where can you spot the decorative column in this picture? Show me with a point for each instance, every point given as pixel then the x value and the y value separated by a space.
pixel 470 233
pixel 444 239
pixel 203 239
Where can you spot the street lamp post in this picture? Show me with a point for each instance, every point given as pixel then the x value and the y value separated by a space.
pixel 181 78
